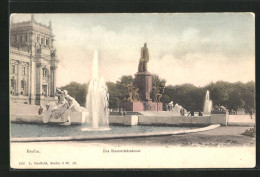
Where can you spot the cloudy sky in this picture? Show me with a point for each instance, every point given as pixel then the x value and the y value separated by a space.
pixel 196 48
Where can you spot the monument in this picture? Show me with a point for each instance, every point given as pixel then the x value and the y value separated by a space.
pixel 140 93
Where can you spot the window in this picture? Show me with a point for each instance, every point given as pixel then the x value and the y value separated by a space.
pixel 22 87
pixel 45 72
pixel 12 82
pixel 47 41
pixel 38 38
pixel 24 72
pixel 21 38
pixel 22 84
pixel 13 68
pixel 42 41
pixel 26 37
pixel 12 90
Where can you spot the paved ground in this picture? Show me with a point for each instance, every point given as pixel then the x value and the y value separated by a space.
pixel 222 136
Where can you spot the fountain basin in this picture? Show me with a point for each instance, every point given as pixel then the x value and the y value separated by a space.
pixel 184 120
pixel 33 132
pixel 129 120
pixel 123 120
pixel 76 118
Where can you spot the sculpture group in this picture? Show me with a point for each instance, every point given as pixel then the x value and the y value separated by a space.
pixel 62 108
pixel 133 94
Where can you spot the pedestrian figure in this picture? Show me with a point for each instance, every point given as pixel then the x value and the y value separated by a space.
pixel 182 111
pixel 120 111
pixel 191 113
pixel 251 114
pixel 40 110
pixel 124 113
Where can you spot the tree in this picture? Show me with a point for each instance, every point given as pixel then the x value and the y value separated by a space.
pixel 235 100
pixel 157 81
pixel 219 92
pixel 249 96
pixel 77 91
pixel 230 95
pixel 113 95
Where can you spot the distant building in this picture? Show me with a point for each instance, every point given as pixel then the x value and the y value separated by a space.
pixel 33 63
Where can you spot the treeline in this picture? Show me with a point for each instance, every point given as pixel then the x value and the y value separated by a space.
pixel 231 95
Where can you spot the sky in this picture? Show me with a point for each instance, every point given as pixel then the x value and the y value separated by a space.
pixel 196 48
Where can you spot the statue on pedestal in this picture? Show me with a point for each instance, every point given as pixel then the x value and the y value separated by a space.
pixel 139 95
pixel 136 94
pixel 133 93
pixel 157 92
pixel 144 59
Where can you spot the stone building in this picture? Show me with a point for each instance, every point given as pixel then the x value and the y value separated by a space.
pixel 33 63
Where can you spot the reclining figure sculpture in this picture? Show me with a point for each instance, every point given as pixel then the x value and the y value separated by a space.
pixel 65 105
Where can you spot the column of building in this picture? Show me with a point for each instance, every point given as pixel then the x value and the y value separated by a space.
pixel 32 71
pixel 19 78
pixel 49 83
pixel 38 83
pixel 39 79
pixel 27 70
pixel 53 81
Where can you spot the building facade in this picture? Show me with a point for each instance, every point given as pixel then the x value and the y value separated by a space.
pixel 33 63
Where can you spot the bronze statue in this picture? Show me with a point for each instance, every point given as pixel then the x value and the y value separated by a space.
pixel 136 95
pixel 133 95
pixel 156 94
pixel 130 92
pixel 144 59
pixel 158 91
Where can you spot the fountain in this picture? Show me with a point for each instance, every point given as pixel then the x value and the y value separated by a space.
pixel 207 104
pixel 97 101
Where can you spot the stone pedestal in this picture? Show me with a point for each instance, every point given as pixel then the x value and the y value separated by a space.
pixel 144 83
pixel 141 106
pixel 153 106
pixel 132 106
